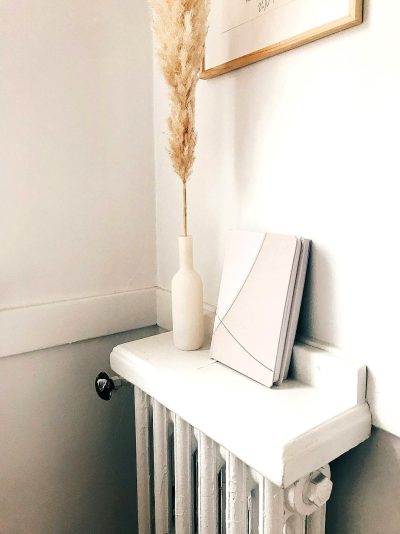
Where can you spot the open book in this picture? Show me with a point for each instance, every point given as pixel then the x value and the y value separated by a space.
pixel 259 303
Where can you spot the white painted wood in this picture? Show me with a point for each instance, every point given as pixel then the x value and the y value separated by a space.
pixel 313 363
pixel 271 508
pixel 57 323
pixel 142 460
pixel 236 495
pixel 208 489
pixel 283 433
pixel 161 475
pixel 183 476
pixel 330 370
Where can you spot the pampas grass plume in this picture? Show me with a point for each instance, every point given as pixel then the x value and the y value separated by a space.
pixel 180 28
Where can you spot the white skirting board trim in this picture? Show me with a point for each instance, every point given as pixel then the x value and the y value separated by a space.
pixel 47 325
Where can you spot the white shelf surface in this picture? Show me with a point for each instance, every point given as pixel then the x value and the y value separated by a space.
pixel 283 433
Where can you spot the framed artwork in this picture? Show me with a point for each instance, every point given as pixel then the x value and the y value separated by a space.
pixel 245 31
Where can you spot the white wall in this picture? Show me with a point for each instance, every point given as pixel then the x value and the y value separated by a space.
pixel 76 166
pixel 366 483
pixel 67 458
pixel 77 256
pixel 303 143
pixel 306 143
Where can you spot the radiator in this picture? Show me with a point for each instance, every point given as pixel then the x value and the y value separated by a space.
pixel 189 484
pixel 218 453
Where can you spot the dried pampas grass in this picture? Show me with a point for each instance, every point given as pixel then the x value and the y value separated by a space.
pixel 180 28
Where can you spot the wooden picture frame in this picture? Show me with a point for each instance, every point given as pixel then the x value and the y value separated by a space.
pixel 241 34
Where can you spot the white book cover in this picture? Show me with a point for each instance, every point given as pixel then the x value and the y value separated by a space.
pixel 255 302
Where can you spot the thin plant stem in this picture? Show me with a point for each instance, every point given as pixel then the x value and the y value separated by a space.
pixel 184 210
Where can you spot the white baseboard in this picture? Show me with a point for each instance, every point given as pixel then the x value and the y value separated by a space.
pixel 57 323
pixel 164 314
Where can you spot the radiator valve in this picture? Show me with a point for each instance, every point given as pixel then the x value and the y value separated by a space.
pixel 105 385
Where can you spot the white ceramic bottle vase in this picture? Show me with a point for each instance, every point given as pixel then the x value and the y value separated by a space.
pixel 187 300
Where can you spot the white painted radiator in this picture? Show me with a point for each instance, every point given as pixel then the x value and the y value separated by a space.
pixel 188 484
pixel 218 453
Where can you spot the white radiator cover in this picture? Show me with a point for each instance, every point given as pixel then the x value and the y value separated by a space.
pixel 229 496
pixel 220 454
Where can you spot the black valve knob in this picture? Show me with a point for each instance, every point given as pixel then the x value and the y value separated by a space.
pixel 104 386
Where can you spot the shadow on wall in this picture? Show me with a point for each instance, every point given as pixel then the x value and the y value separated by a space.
pixel 317 305
pixel 366 485
pixel 66 457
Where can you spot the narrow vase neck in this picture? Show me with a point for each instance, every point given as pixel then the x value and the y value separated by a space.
pixel 185 252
